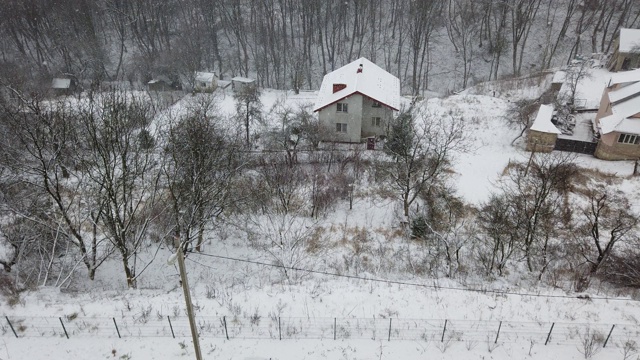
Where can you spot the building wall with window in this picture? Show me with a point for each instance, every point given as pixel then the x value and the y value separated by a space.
pixel 371 110
pixel 618 146
pixel 331 117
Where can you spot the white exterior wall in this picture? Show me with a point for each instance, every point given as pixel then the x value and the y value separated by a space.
pixel 329 116
pixel 369 112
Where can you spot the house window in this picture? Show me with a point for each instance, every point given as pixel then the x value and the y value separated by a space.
pixel 376 121
pixel 376 104
pixel 203 84
pixel 343 107
pixel 341 127
pixel 629 139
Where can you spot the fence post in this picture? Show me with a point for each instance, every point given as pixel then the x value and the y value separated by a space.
pixel 224 321
pixel 63 328
pixel 444 330
pixel 498 334
pixel 549 335
pixel 171 327
pixel 279 329
pixel 389 339
pixel 117 330
pixel 608 336
pixel 334 327
pixel 11 326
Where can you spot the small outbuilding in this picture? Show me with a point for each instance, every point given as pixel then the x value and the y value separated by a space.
pixel 238 83
pixel 543 134
pixel 626 53
pixel 205 81
pixel 63 86
pixel 162 83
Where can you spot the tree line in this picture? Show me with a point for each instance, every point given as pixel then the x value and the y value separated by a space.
pixel 429 45
pixel 115 176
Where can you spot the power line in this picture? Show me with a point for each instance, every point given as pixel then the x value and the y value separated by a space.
pixel 406 283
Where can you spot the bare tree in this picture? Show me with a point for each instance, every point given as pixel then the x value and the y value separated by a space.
pixel 499 241
pixel 201 162
pixel 535 191
pixel 288 241
pixel 48 156
pixel 462 27
pixel 422 146
pixel 248 108
pixel 523 14
pixel 122 170
pixel 607 222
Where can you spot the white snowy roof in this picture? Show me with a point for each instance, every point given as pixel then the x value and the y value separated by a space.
pixel 372 81
pixel 613 123
pixel 629 41
pixel 620 119
pixel 242 79
pixel 543 122
pixel 559 76
pixel 625 92
pixel 59 83
pixel 625 77
pixel 205 76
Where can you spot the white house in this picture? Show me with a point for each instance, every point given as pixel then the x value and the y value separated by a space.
pixel 357 101
pixel 205 81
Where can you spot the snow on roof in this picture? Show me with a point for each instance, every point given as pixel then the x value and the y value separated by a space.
pixel 627 107
pixel 243 79
pixel 369 80
pixel 625 77
pixel 543 123
pixel 59 83
pixel 625 92
pixel 629 41
pixel 205 76
pixel 617 123
pixel 619 120
pixel 559 76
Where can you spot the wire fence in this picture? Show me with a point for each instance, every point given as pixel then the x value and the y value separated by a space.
pixel 282 328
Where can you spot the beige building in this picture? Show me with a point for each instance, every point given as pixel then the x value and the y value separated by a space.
pixel 626 53
pixel 543 134
pixel 618 118
pixel 357 101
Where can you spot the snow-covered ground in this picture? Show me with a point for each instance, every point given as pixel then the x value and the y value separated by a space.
pixel 245 291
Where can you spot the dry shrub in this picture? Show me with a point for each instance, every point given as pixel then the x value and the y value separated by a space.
pixel 316 242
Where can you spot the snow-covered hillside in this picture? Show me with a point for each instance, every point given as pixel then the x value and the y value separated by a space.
pixel 360 243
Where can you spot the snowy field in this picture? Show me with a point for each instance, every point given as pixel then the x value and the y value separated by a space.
pixel 250 295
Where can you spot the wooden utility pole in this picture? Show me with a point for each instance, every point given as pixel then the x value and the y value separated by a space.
pixel 187 299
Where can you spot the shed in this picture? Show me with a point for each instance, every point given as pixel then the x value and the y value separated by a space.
pixel 558 79
pixel 542 133
pixel 162 83
pixel 205 81
pixel 63 86
pixel 238 83
pixel 626 53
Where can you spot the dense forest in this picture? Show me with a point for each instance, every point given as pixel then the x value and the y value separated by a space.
pixel 439 45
